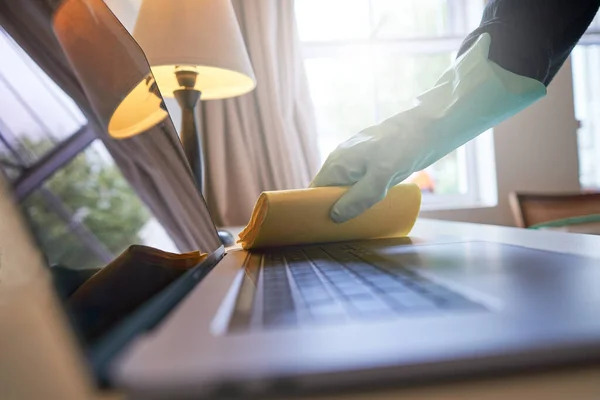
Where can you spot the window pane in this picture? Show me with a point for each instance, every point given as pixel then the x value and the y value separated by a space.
pixel 343 92
pixel 449 175
pixel 470 12
pixel 400 78
pixel 410 18
pixel 11 166
pixel 35 114
pixel 87 214
pixel 586 87
pixel 325 20
pixel 62 241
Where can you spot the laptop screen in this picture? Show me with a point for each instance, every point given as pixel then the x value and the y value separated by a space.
pixel 91 159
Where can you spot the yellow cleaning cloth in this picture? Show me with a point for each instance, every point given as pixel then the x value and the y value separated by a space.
pixel 291 217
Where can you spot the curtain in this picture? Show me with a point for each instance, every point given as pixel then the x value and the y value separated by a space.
pixel 153 162
pixel 265 140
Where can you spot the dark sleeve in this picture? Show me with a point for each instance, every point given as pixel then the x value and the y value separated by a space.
pixel 533 38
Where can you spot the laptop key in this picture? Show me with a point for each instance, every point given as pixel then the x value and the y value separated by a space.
pixel 276 291
pixel 370 307
pixel 411 301
pixel 327 312
pixel 304 273
pixel 311 295
pixel 358 297
pixel 383 280
pixel 285 303
pixel 459 303
pixel 279 319
pixel 353 290
pixel 312 283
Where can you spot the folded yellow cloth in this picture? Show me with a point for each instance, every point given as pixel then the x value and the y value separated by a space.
pixel 291 217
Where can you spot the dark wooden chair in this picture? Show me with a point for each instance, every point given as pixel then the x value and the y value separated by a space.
pixel 532 209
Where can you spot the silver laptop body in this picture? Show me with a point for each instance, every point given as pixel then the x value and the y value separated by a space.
pixel 500 307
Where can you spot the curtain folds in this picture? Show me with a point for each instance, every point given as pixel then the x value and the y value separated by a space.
pixel 265 140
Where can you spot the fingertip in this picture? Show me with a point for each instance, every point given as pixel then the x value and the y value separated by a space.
pixel 345 210
pixel 336 216
pixel 359 198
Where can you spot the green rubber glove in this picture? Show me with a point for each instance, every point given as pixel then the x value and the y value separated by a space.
pixel 472 96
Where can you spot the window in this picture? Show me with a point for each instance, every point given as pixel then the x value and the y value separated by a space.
pixel 586 89
pixel 82 211
pixel 367 60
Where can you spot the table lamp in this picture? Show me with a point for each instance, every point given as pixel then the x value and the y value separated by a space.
pixel 195 49
pixel 123 92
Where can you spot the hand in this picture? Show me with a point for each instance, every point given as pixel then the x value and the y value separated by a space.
pixel 371 162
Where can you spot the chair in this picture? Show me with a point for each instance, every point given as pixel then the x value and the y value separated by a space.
pixel 535 209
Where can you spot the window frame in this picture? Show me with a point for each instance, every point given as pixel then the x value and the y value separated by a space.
pixel 590 38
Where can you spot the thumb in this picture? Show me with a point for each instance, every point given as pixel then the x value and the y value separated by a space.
pixel 360 197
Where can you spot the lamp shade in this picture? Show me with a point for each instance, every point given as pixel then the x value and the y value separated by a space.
pixel 201 35
pixel 110 67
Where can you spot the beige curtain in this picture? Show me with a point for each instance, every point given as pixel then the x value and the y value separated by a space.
pixel 265 140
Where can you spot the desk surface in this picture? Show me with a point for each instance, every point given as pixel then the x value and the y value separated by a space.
pixel 588 245
pixel 580 383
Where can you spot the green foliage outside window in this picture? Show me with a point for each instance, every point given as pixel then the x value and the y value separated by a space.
pixel 97 196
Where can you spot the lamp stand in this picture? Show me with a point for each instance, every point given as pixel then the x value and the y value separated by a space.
pixel 190 132
pixel 191 138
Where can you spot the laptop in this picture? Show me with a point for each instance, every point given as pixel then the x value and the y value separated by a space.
pixel 337 316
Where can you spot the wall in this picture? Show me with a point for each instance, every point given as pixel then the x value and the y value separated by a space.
pixel 535 150
pixel 125 10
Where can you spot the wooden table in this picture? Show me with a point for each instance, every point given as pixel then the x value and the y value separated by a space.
pixel 574 383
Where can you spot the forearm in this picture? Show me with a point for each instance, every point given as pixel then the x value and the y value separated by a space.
pixel 533 38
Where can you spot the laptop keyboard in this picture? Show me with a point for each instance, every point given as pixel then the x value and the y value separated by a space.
pixel 340 282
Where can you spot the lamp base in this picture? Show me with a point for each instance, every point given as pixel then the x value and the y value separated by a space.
pixel 227 238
